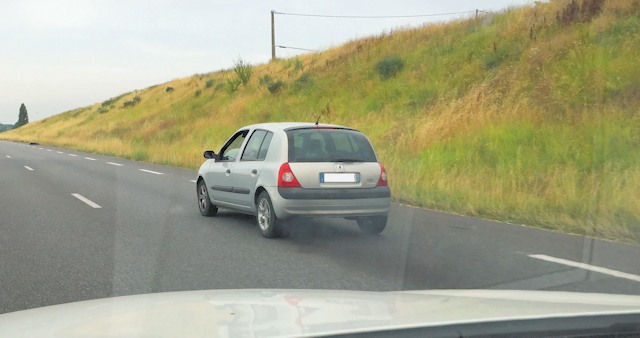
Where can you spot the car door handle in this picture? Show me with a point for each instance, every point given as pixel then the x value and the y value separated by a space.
pixel 254 171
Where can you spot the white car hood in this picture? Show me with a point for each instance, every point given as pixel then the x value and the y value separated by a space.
pixel 296 313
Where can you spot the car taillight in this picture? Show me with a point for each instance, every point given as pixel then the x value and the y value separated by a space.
pixel 286 178
pixel 383 176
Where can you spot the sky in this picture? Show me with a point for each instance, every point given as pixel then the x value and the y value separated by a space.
pixel 58 55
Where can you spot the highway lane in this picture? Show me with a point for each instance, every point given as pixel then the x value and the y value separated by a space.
pixel 135 228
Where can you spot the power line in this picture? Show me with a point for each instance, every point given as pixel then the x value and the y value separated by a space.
pixel 273 13
pixel 298 48
pixel 371 16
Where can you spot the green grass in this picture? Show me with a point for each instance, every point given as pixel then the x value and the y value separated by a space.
pixel 556 176
pixel 512 116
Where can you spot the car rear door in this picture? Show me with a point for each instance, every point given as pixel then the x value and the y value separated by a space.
pixel 246 172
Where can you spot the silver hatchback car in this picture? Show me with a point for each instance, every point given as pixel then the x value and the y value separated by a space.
pixel 279 171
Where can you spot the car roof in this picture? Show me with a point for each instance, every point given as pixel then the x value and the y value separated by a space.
pixel 292 125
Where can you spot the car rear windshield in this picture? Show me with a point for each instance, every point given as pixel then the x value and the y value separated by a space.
pixel 329 145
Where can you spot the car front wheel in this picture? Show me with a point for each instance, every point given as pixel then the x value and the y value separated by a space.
pixel 266 217
pixel 204 203
pixel 372 225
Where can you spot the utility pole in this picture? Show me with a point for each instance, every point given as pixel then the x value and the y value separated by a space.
pixel 273 37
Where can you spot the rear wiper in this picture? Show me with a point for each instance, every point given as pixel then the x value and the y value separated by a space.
pixel 347 160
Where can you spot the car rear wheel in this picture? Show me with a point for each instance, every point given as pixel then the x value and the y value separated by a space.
pixel 372 225
pixel 266 217
pixel 204 203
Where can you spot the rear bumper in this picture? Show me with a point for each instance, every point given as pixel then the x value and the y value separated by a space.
pixel 347 203
pixel 334 194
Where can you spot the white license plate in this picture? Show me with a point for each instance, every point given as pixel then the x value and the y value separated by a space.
pixel 339 177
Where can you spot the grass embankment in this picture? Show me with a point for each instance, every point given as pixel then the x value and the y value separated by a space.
pixel 515 116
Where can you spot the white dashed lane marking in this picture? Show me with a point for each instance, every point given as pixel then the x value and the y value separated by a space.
pixel 74 155
pixel 28 168
pixel 194 181
pixel 59 152
pixel 89 158
pixel 116 164
pixel 8 156
pixel 610 272
pixel 86 201
pixel 150 171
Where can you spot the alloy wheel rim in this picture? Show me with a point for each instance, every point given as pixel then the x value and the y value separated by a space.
pixel 203 196
pixel 264 214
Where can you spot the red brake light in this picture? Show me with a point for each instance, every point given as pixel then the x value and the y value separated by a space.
pixel 286 178
pixel 383 176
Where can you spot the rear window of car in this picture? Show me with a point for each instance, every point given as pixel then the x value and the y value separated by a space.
pixel 329 145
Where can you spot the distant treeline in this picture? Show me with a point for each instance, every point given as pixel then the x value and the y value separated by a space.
pixel 5 127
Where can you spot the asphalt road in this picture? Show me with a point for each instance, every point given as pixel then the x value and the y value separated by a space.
pixel 77 226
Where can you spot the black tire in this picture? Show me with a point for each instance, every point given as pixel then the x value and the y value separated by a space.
pixel 265 216
pixel 372 225
pixel 204 202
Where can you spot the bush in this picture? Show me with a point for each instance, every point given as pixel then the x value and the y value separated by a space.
pixel 197 93
pixel 233 84
pixel 573 12
pixel 265 80
pixel 132 102
pixel 303 82
pixel 243 70
pixel 389 67
pixel 273 85
pixel 276 87
pixel 208 84
pixel 108 102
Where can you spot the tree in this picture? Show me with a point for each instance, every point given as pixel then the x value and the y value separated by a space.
pixel 23 117
pixel 5 127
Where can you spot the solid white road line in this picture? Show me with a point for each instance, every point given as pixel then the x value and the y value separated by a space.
pixel 151 172
pixel 610 272
pixel 86 200
pixel 59 152
pixel 117 164
pixel 89 158
pixel 28 168
pixel 74 155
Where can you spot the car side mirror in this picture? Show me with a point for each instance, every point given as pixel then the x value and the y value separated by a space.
pixel 209 154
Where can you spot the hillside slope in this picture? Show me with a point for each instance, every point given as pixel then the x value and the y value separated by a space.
pixel 530 115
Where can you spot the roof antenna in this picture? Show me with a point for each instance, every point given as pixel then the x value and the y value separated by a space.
pixel 326 111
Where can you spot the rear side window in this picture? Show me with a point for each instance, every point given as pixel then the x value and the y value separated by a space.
pixel 329 145
pixel 256 149
pixel 265 146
